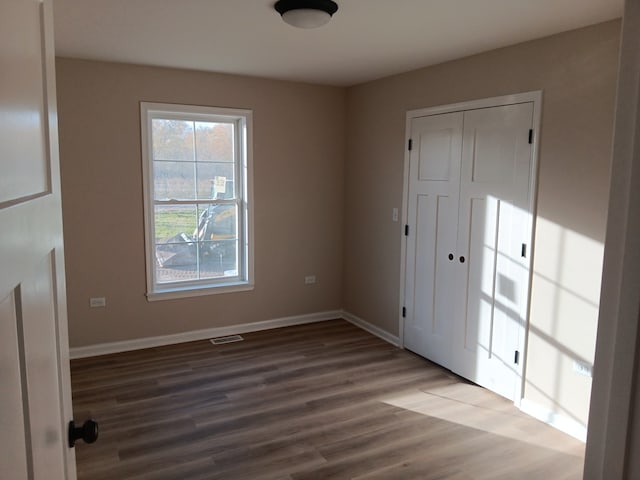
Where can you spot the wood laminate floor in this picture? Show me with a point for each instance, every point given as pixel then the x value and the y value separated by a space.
pixel 318 401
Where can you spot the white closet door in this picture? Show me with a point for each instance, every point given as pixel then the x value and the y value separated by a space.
pixel 494 224
pixel 434 183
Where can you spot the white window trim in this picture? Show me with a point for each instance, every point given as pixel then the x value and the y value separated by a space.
pixel 156 291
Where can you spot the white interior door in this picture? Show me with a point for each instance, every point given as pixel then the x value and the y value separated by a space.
pixel 35 397
pixel 493 238
pixel 467 252
pixel 434 184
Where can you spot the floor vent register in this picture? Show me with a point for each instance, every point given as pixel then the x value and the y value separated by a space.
pixel 229 339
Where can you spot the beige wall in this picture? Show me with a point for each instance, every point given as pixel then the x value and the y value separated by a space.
pixel 577 72
pixel 298 198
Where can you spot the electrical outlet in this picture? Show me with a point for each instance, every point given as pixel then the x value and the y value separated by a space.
pixel 97 302
pixel 582 368
pixel 309 279
pixel 394 215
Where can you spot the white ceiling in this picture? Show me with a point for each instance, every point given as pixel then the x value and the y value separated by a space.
pixel 365 40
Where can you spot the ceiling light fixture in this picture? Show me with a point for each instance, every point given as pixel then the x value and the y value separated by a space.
pixel 306 13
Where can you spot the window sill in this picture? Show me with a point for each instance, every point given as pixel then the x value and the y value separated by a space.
pixel 191 291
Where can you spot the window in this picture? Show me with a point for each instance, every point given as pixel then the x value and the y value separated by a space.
pixel 197 186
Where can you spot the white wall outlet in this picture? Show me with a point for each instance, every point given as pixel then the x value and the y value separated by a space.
pixel 309 279
pixel 582 368
pixel 97 302
pixel 394 215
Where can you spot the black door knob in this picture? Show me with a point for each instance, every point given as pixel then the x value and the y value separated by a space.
pixel 87 432
pixel 451 256
pixel 461 259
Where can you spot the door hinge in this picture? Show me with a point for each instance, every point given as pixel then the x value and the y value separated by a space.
pixel 406 230
pixel 516 358
pixel 523 251
pixel 410 144
pixel 531 135
pixel 404 312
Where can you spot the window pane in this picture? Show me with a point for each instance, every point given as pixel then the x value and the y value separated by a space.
pixel 172 221
pixel 214 142
pixel 174 181
pixel 177 272
pixel 215 180
pixel 217 222
pixel 221 259
pixel 217 239
pixel 172 140
pixel 176 250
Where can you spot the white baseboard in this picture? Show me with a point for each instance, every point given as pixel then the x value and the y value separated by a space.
pixel 137 344
pixel 372 329
pixel 561 422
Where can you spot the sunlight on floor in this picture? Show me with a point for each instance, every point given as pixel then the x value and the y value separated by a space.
pixel 477 408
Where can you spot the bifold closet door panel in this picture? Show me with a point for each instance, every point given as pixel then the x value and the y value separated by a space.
pixel 492 283
pixel 434 183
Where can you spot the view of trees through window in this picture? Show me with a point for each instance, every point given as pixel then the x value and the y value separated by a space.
pixel 196 208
